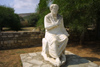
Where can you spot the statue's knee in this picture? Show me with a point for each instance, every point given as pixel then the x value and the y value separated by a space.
pixel 66 38
pixel 44 41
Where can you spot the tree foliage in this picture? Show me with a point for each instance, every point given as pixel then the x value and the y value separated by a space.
pixel 77 14
pixel 42 9
pixel 9 19
pixel 33 18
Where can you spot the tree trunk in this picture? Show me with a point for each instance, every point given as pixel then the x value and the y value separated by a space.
pixel 1 29
pixel 98 27
pixel 98 30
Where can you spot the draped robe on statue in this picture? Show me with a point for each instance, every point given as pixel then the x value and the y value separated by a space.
pixel 55 35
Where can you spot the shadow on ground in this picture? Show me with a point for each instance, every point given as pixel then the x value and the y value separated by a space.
pixel 92 58
pixel 74 60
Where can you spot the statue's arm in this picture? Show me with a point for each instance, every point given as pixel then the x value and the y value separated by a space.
pixel 63 28
pixel 48 25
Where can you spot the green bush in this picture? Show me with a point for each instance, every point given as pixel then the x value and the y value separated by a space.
pixel 9 19
pixel 33 19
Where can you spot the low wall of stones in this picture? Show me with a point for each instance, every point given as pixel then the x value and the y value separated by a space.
pixel 9 40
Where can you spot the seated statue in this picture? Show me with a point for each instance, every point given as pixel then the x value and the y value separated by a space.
pixel 56 37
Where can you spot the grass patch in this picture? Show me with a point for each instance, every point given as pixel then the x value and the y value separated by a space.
pixel 1 63
pixel 21 52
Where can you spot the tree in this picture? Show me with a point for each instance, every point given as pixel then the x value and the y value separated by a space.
pixel 96 11
pixel 15 23
pixel 78 14
pixel 42 9
pixel 33 19
pixel 8 18
pixel 21 18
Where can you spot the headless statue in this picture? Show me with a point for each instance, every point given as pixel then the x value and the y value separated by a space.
pixel 56 38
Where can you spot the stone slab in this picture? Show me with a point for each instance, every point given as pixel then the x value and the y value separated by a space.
pixel 36 60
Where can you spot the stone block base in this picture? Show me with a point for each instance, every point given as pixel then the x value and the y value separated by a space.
pixel 36 60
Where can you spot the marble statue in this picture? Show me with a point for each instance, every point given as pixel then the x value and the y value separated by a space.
pixel 56 37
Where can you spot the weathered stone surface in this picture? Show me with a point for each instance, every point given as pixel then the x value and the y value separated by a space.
pixel 16 35
pixel 5 42
pixel 11 35
pixel 19 39
pixel 4 36
pixel 36 60
pixel 1 42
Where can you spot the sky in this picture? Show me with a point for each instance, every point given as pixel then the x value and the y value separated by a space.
pixel 21 6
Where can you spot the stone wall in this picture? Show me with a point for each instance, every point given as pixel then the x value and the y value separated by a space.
pixel 9 40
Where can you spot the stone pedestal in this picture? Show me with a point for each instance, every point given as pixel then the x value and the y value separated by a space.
pixel 36 60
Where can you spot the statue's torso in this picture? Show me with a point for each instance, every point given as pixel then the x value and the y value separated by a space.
pixel 56 30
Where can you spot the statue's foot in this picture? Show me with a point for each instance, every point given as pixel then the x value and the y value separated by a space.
pixel 44 56
pixel 58 62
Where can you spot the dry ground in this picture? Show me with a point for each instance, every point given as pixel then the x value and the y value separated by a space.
pixel 11 57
